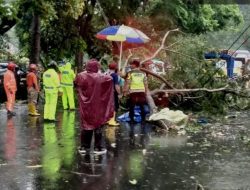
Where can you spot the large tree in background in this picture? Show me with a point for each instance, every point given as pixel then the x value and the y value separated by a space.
pixel 66 28
pixel 193 17
pixel 8 17
pixel 50 27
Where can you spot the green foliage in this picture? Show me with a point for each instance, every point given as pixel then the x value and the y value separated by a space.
pixel 193 71
pixel 224 38
pixel 120 10
pixel 7 10
pixel 59 33
pixel 194 17
pixel 3 43
pixel 188 72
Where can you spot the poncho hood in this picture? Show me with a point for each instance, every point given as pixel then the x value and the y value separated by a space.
pixel 92 66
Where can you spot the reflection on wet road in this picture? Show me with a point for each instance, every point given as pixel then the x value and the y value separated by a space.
pixel 37 155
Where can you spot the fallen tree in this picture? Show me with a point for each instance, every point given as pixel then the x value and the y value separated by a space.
pixel 173 91
pixel 190 70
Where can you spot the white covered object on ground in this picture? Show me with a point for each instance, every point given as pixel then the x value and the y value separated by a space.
pixel 177 118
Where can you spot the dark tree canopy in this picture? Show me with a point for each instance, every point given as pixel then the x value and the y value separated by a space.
pixel 68 27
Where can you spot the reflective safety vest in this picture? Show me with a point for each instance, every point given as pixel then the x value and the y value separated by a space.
pixel 67 76
pixel 51 82
pixel 137 79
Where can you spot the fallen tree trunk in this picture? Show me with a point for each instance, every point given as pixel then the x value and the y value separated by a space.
pixel 191 90
pixel 149 97
pixel 151 103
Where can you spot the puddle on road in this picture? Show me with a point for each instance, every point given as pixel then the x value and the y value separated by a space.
pixel 37 155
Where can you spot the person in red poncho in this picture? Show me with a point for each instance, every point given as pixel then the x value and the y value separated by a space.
pixel 96 103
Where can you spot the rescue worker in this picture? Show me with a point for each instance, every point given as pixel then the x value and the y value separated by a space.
pixel 117 90
pixel 52 89
pixel 10 88
pixel 136 86
pixel 67 80
pixel 33 90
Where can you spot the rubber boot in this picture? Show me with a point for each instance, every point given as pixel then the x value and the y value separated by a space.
pixel 30 108
pixel 112 121
pixel 33 110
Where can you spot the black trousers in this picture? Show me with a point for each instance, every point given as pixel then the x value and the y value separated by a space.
pixel 86 138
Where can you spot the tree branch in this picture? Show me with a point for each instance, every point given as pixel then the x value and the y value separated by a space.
pixel 127 60
pixel 192 90
pixel 162 45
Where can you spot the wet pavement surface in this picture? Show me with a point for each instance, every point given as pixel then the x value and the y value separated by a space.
pixel 37 155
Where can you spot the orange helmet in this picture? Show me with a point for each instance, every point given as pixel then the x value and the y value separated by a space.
pixel 11 66
pixel 32 67
pixel 113 66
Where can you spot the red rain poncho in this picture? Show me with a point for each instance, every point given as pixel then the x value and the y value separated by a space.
pixel 95 96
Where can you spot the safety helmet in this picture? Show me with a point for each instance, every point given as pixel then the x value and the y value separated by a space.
pixel 11 66
pixel 32 67
pixel 112 66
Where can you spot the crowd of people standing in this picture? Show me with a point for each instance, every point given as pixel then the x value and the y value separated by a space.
pixel 98 95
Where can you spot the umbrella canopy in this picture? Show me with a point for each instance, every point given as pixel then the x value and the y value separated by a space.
pixel 122 33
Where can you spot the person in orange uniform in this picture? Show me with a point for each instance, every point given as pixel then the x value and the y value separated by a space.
pixel 10 88
pixel 33 90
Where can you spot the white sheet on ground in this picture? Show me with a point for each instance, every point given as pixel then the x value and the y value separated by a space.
pixel 177 118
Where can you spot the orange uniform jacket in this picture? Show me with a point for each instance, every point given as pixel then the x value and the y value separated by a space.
pixel 10 81
pixel 32 81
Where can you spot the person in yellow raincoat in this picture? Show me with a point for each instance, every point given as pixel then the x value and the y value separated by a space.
pixel 67 80
pixel 51 84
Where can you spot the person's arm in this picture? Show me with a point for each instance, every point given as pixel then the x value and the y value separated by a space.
pixel 6 80
pixel 81 82
pixel 146 84
pixel 35 83
pixel 57 81
pixel 118 89
pixel 224 56
pixel 116 82
pixel 126 85
pixel 72 74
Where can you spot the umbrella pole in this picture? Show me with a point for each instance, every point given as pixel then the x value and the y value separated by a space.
pixel 120 60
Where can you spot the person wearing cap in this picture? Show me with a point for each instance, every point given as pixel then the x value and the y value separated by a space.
pixel 10 88
pixel 33 90
pixel 136 86
pixel 96 105
pixel 117 90
pixel 67 80
pixel 52 89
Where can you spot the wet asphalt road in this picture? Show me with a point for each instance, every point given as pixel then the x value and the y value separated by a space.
pixel 37 155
